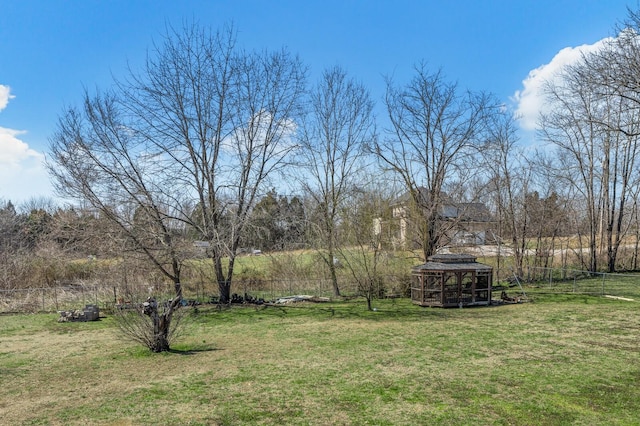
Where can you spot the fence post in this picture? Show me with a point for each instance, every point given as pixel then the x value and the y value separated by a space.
pixel 603 278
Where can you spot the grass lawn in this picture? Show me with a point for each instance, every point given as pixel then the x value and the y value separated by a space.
pixel 559 360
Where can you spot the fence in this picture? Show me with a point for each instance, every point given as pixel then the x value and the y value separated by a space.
pixel 52 299
pixel 536 279
pixel 556 280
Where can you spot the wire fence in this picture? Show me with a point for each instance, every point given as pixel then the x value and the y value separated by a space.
pixel 107 296
pixel 52 299
pixel 566 281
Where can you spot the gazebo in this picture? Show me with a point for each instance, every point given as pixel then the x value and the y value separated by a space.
pixel 451 280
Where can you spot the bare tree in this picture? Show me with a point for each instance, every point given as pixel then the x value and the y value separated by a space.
pixel 593 124
pixel 363 235
pixel 547 217
pixel 201 126
pixel 336 132
pixel 434 135
pixel 613 72
pixel 509 179
pixel 188 143
pixel 99 160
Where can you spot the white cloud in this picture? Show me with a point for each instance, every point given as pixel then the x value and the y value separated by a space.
pixel 22 171
pixel 530 101
pixel 5 95
pixel 23 175
pixel 13 151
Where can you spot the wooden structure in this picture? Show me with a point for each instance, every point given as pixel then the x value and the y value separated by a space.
pixel 451 280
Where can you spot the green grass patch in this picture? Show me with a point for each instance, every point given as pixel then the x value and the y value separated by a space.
pixel 561 359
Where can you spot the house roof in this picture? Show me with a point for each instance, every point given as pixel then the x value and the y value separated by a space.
pixel 471 212
pixel 468 212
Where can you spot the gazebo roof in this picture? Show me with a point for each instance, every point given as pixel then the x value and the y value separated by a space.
pixel 452 262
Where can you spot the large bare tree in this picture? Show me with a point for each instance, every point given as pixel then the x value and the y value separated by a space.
pixel 220 120
pixel 186 144
pixel 432 144
pixel 337 131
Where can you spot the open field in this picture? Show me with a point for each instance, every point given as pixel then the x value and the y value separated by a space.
pixel 560 360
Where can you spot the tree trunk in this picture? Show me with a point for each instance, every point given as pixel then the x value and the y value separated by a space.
pixel 162 321
pixel 332 271
pixel 224 282
pixel 430 237
pixel 224 289
pixel 160 333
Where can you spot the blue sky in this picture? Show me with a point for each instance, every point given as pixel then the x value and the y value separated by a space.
pixel 51 50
